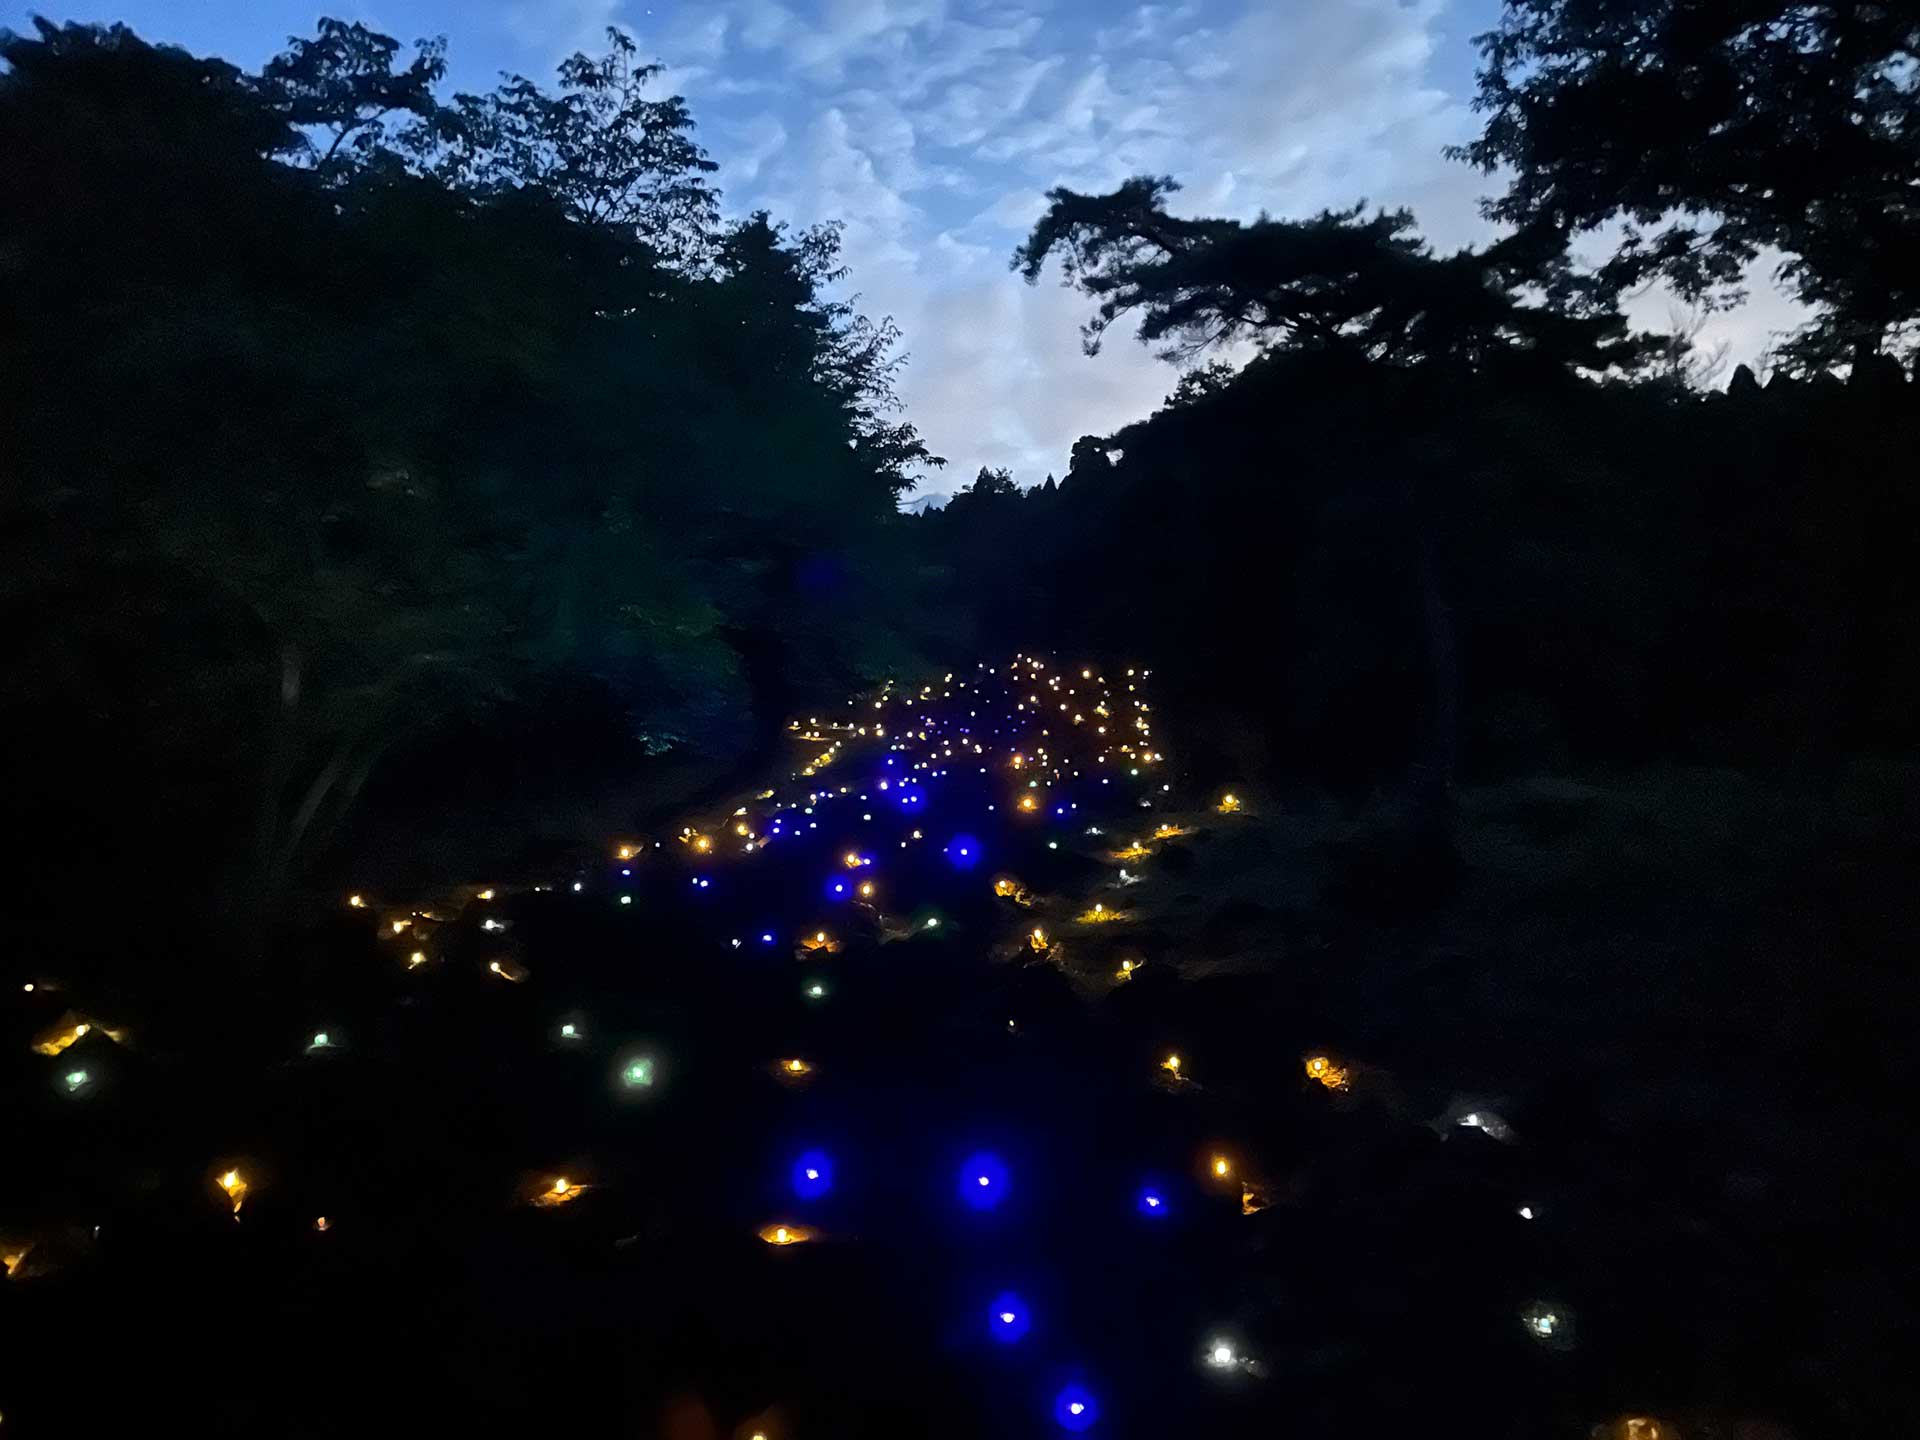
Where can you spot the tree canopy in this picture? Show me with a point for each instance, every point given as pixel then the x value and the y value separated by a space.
pixel 421 408
pixel 1712 133
pixel 1342 280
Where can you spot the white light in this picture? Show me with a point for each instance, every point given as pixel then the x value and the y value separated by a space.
pixel 813 1174
pixel 1526 1212
pixel 1076 1408
pixel 1222 1355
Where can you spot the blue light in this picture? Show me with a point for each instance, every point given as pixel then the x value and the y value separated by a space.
pixel 1153 1203
pixel 984 1180
pixel 1007 1318
pixel 963 852
pixel 836 889
pixel 813 1175
pixel 1075 1408
pixel 766 937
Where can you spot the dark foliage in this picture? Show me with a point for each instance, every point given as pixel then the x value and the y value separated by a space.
pixel 386 442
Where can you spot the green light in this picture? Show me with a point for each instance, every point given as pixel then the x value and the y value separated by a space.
pixel 567 1031
pixel 75 1079
pixel 639 1073
pixel 320 1041
pixel 817 991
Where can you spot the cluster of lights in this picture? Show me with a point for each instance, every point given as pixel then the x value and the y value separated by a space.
pixel 984 1179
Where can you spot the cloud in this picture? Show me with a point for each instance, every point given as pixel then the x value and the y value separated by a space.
pixel 932 129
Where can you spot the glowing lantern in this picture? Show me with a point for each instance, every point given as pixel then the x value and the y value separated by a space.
pixel 795 1067
pixel 234 1185
pixel 786 1234
pixel 1228 804
pixel 1550 1324
pixel 561 1191
pixel 1322 1069
pixel 72 1027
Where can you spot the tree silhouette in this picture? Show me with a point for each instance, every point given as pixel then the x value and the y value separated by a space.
pixel 1715 132
pixel 338 88
pixel 1339 281
pixel 607 152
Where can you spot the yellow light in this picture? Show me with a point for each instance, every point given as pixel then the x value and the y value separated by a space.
pixel 357 902
pixel 740 828
pixel 486 894
pixel 322 1224
pixel 1135 851
pixel 236 1187
pixel 1222 1166
pixel 400 925
pixel 795 1067
pixel 1038 939
pixel 866 888
pixel 1005 886
pixel 1229 803
pixel 702 843
pixel 416 959
pixel 852 860
pixel 1170 832
pixel 1333 1076
pixel 1172 1063
pixel 560 1186
pixel 625 852
pixel 786 1234
pixel 1027 802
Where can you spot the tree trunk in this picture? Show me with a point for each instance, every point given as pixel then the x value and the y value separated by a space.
pixel 1434 772
pixel 281 743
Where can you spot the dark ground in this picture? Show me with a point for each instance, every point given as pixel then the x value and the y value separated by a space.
pixel 1690 995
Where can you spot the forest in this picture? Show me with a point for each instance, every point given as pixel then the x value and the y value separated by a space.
pixel 407 486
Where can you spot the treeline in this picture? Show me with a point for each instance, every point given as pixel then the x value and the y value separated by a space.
pixel 1622 572
pixel 347 423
